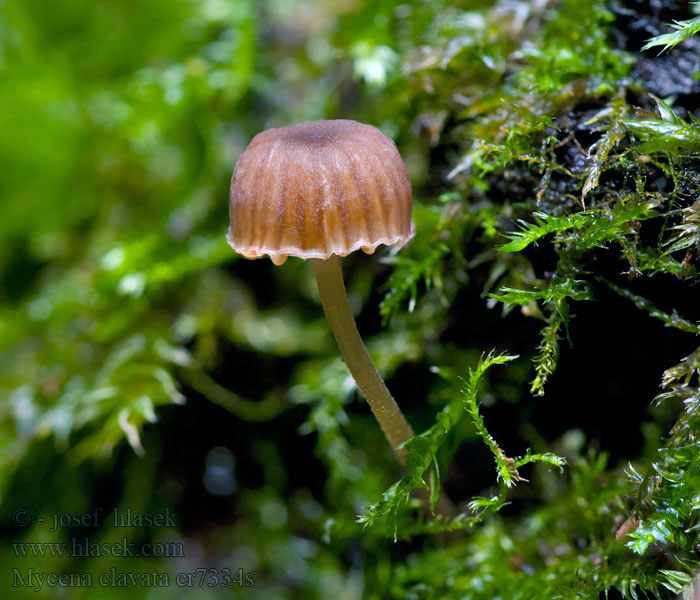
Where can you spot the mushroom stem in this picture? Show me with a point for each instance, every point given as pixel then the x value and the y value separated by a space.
pixel 329 278
pixel 331 288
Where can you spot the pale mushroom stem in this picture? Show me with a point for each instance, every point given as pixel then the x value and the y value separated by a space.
pixel 331 288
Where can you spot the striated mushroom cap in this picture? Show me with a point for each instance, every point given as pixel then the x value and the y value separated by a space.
pixel 319 188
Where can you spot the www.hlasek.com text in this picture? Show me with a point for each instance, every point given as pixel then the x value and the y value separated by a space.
pixel 84 548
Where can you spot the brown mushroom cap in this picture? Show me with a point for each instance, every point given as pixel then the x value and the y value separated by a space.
pixel 319 188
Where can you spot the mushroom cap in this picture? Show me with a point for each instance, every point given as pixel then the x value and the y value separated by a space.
pixel 319 188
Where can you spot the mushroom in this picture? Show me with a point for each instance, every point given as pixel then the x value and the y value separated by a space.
pixel 321 190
